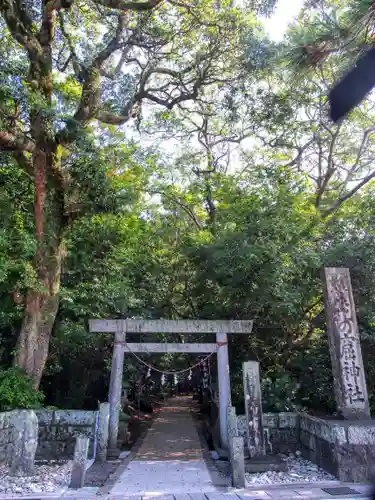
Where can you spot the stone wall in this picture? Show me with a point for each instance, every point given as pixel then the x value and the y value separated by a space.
pixel 283 430
pixel 6 434
pixel 343 448
pixel 58 430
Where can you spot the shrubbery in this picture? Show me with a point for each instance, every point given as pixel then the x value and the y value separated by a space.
pixel 17 391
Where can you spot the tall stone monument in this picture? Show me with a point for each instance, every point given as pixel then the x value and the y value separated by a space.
pixel 345 349
pixel 253 407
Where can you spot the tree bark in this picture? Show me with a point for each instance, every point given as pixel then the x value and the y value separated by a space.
pixel 39 317
pixel 42 300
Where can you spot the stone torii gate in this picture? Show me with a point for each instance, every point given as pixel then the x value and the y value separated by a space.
pixel 123 326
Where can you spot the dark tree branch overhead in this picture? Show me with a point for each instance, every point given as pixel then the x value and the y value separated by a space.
pixel 124 5
pixel 90 96
pixel 189 211
pixel 348 195
pixel 20 26
pixel 144 93
pixel 11 142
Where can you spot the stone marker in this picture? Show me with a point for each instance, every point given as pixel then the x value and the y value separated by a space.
pixel 238 462
pixel 81 449
pixel 102 443
pixel 236 449
pixel 25 442
pixel 232 429
pixel 345 349
pixel 253 407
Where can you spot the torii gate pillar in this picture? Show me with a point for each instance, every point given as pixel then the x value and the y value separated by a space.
pixel 115 389
pixel 225 399
pixel 121 327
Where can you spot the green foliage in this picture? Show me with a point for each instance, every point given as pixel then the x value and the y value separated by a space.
pixel 280 394
pixel 17 392
pixel 178 226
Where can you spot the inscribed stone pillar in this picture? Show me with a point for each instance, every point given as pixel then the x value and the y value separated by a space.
pixel 79 466
pixel 253 407
pixel 345 349
pixel 224 385
pixel 103 427
pixel 115 388
pixel 25 442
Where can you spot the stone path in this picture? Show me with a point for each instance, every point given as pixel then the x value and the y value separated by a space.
pixel 173 435
pixel 171 457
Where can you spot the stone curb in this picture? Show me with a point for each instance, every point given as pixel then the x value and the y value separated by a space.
pixel 87 496
pixel 318 484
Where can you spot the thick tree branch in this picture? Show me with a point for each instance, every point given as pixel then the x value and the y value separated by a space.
pixel 143 93
pixel 46 32
pixel 348 195
pixel 124 5
pixel 361 147
pixel 90 96
pixel 184 207
pixel 73 55
pixel 20 26
pixel 12 142
pixel 52 5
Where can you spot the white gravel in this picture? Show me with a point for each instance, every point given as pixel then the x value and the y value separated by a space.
pixel 299 471
pixel 47 479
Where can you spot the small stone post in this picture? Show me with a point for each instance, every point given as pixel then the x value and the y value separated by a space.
pixel 236 451
pixel 232 422
pixel 102 443
pixel 81 450
pixel 232 428
pixel 345 349
pixel 238 463
pixel 253 406
pixel 115 389
pixel 25 442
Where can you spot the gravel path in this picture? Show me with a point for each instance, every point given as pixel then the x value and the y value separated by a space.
pixel 299 471
pixel 47 479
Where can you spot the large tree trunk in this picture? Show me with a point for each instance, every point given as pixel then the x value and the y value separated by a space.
pixel 40 314
pixel 42 301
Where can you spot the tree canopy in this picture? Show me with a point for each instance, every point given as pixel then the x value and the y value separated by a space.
pixel 168 159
